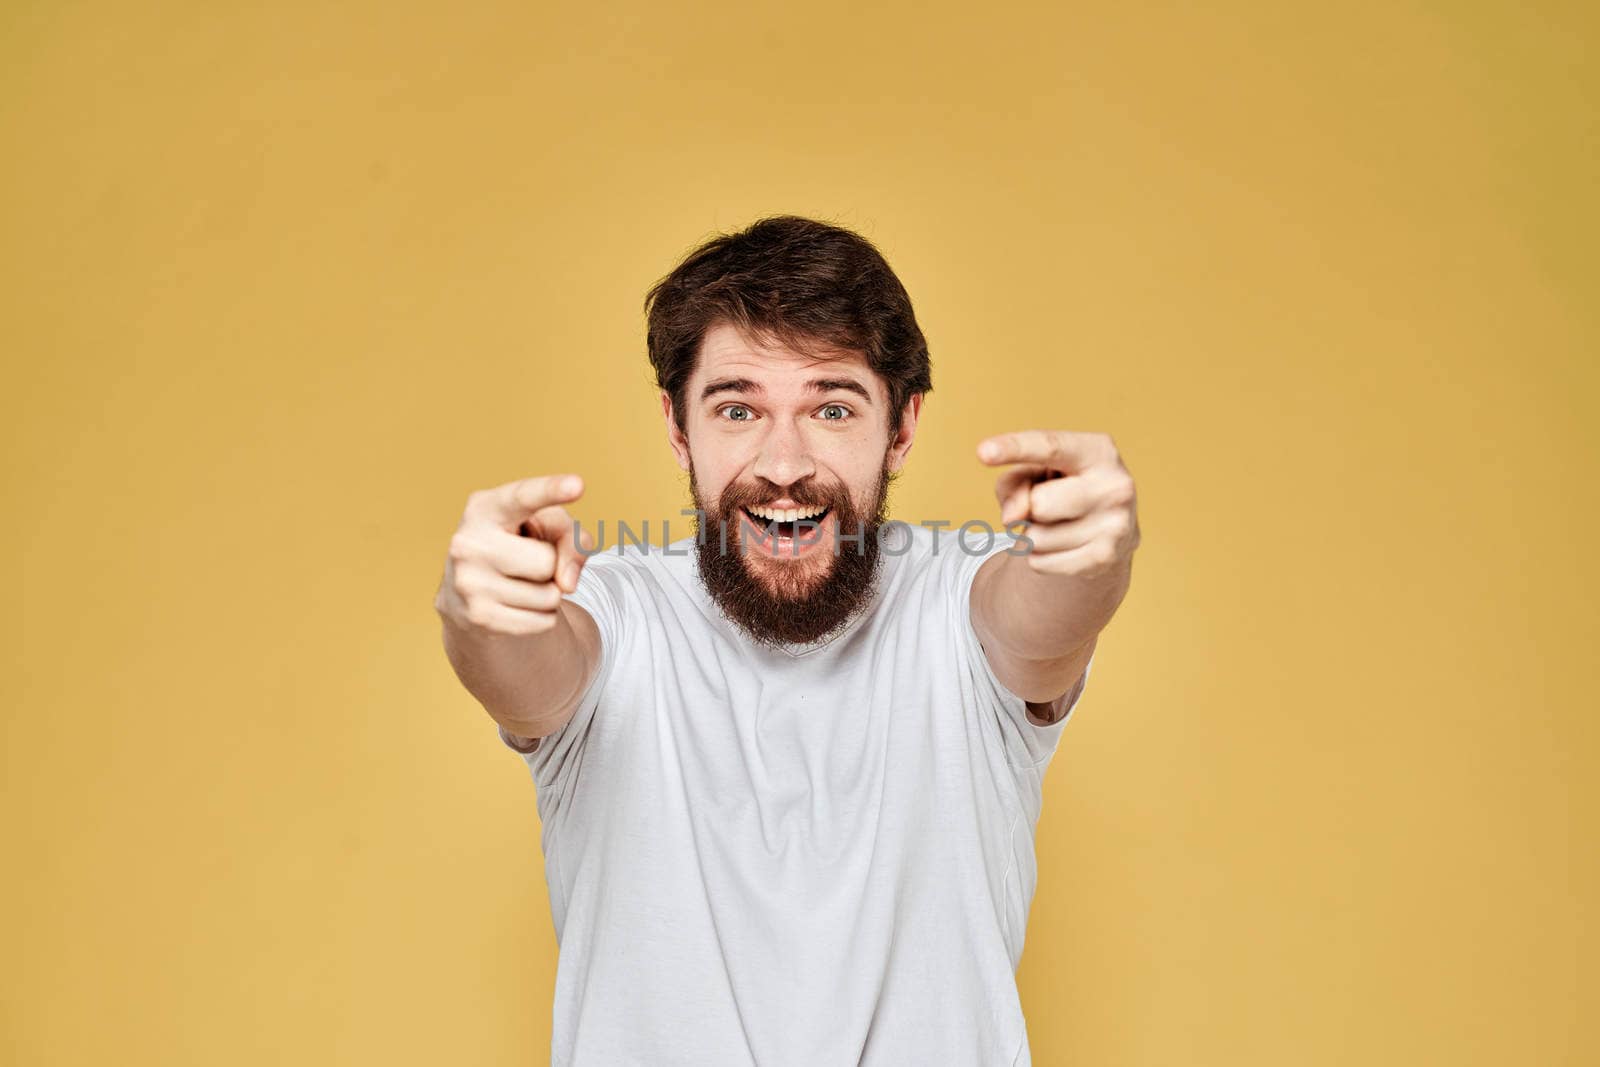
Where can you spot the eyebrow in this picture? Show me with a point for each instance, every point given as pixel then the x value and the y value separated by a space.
pixel 745 386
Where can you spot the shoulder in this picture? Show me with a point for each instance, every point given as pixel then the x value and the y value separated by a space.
pixel 927 564
pixel 635 573
pixel 950 553
pixel 629 561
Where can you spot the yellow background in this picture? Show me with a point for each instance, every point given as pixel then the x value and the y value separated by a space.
pixel 284 282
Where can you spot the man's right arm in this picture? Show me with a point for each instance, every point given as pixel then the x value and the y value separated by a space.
pixel 525 652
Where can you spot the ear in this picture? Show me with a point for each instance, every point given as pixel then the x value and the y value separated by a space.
pixel 675 436
pixel 901 445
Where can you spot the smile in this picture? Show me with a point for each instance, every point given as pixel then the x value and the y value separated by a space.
pixel 785 522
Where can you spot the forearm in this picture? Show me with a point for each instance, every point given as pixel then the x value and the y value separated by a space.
pixel 1040 616
pixel 528 683
pixel 1040 630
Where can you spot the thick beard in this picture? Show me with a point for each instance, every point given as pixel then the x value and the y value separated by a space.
pixel 802 612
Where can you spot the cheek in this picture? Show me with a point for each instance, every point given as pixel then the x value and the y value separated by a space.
pixel 714 469
pixel 861 478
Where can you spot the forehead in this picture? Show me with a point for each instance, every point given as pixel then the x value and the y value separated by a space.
pixel 724 350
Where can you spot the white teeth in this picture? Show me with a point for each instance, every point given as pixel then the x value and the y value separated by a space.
pixel 786 514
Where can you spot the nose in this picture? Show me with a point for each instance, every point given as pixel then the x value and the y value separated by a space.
pixel 785 458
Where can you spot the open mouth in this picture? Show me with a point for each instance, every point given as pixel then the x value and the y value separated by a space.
pixel 787 522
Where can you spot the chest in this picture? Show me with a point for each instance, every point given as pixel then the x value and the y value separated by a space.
pixel 798 759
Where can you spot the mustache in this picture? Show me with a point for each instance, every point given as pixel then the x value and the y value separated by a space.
pixel 806 494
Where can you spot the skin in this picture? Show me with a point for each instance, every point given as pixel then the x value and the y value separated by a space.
pixel 1039 615
pixel 756 414
pixel 761 413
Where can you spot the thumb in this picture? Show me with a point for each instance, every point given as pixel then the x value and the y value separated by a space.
pixel 569 560
pixel 1013 490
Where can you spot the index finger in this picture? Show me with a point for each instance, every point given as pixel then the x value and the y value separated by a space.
pixel 513 502
pixel 1058 449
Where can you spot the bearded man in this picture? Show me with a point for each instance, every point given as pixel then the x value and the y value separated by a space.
pixel 788 771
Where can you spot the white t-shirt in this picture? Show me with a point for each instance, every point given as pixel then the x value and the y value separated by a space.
pixel 818 855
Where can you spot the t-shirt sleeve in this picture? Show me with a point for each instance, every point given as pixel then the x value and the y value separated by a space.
pixel 1028 743
pixel 600 592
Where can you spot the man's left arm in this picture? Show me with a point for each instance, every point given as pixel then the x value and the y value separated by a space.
pixel 1039 615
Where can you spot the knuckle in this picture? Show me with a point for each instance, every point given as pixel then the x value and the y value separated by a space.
pixel 461 548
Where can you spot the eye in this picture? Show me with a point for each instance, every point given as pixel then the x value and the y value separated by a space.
pixel 834 413
pixel 737 413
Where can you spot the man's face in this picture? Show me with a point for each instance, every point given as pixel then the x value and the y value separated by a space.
pixel 772 436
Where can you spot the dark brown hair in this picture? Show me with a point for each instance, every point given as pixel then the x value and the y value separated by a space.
pixel 797 280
